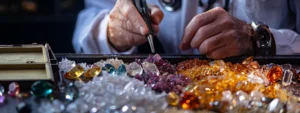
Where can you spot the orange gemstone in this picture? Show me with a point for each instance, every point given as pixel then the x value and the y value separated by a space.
pixel 274 74
pixel 189 101
pixel 92 72
pixel 74 73
pixel 248 60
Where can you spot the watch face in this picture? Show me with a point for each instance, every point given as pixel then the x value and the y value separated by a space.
pixel 171 5
pixel 264 35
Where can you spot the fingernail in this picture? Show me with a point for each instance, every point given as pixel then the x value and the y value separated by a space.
pixel 142 30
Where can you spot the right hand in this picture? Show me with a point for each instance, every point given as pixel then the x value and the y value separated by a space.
pixel 126 27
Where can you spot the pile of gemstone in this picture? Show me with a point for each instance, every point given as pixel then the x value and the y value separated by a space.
pixel 191 86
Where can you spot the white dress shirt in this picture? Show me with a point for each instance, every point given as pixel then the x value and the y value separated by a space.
pixel 282 16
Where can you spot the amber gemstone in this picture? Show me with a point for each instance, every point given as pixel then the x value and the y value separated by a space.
pixel 74 73
pixel 92 72
pixel 248 60
pixel 189 101
pixel 173 99
pixel 274 74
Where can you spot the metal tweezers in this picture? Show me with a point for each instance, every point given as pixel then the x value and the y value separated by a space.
pixel 144 11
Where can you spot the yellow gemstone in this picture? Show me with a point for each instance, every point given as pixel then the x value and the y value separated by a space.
pixel 92 72
pixel 173 99
pixel 74 73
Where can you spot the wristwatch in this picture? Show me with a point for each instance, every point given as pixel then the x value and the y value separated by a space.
pixel 263 39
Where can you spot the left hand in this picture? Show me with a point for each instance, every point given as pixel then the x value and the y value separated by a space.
pixel 217 35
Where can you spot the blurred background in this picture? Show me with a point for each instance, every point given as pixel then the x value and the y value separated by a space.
pixel 39 21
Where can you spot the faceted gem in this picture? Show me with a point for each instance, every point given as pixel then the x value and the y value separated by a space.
pixel 275 106
pixel 92 72
pixel 109 68
pixel 134 69
pixel 287 78
pixel 24 108
pixel 254 65
pixel 74 73
pixel 13 89
pixel 150 68
pixel 286 66
pixel 121 70
pixel 189 101
pixel 41 89
pixel 71 92
pixel 173 99
pixel 2 98
pixel 275 73
pixel 2 89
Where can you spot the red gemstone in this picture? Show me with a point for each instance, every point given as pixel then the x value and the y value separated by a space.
pixel 274 74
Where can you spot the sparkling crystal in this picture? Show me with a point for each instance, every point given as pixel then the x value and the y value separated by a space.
pixel 173 99
pixel 227 95
pixel 287 78
pixel 13 89
pixel 274 74
pixel 24 108
pixel 41 89
pixel 2 98
pixel 93 71
pixel 109 68
pixel 74 73
pixel 71 92
pixel 58 106
pixel 2 89
pixel 255 79
pixel 275 106
pixel 66 65
pixel 121 70
pixel 134 69
pixel 242 98
pixel 150 68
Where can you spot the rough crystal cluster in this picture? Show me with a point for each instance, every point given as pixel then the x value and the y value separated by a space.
pixel 165 78
pixel 195 84
pixel 113 94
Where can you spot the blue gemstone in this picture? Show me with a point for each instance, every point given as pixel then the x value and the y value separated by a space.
pixel 121 70
pixel 71 92
pixel 41 89
pixel 109 68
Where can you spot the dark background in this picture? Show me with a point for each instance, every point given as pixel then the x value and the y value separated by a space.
pixel 39 21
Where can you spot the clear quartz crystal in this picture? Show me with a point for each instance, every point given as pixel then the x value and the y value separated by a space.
pixel 275 106
pixel 150 68
pixel 242 98
pixel 58 106
pixel 65 65
pixel 287 78
pixel 286 66
pixel 134 69
pixel 255 79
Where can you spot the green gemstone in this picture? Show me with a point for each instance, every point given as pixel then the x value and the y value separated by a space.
pixel 41 89
pixel 109 68
pixel 71 92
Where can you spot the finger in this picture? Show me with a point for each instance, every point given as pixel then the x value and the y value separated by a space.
pixel 213 43
pixel 205 33
pixel 223 52
pixel 155 28
pixel 197 22
pixel 124 38
pixel 156 14
pixel 130 12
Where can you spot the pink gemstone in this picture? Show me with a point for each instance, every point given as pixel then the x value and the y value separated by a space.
pixel 13 89
pixel 2 99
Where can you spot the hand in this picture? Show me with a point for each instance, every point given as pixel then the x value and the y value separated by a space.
pixel 217 35
pixel 126 28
